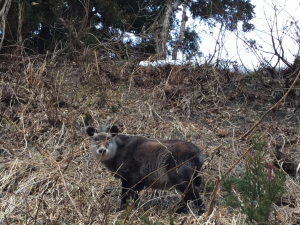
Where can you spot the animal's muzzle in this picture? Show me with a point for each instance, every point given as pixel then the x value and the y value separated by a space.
pixel 101 151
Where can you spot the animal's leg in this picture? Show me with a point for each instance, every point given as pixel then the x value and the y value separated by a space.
pixel 187 186
pixel 196 189
pixel 129 191
pixel 193 194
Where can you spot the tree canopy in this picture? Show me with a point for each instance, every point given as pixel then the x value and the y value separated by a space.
pixel 49 25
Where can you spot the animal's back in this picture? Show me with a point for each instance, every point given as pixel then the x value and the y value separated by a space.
pixel 163 151
pixel 156 158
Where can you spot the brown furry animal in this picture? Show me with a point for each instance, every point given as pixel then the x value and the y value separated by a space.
pixel 140 162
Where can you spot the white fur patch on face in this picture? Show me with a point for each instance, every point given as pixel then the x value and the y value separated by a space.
pixel 111 149
pixel 103 149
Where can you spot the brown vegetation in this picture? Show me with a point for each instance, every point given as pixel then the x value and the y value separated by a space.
pixel 47 175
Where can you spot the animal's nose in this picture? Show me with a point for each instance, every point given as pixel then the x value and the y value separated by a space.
pixel 101 151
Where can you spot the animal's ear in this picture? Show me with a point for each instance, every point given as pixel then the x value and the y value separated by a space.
pixel 114 130
pixel 91 131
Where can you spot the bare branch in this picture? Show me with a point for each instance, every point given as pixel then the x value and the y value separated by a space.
pixel 3 15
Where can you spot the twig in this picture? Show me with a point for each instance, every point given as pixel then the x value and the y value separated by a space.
pixel 7 151
pixel 189 184
pixel 274 106
pixel 65 184
pixel 61 135
pixel 212 200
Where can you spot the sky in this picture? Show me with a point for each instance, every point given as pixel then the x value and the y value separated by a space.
pixel 279 18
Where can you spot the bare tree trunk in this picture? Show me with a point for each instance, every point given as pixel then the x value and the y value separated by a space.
pixel 161 26
pixel 3 15
pixel 181 31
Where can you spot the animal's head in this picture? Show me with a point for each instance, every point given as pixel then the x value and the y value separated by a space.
pixel 103 145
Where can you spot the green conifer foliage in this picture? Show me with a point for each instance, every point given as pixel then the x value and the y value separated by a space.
pixel 71 25
pixel 255 192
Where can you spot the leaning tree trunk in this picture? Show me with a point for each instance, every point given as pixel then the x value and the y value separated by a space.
pixel 161 26
pixel 3 14
pixel 181 31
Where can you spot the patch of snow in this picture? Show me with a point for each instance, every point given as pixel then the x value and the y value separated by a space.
pixel 167 62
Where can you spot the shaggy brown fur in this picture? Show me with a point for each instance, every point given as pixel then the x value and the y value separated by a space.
pixel 139 162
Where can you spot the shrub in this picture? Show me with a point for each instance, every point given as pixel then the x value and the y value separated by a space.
pixel 258 189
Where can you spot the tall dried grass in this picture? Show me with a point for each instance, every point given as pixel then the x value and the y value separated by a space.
pixel 47 175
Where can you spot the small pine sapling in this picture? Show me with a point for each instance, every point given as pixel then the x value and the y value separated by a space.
pixel 255 192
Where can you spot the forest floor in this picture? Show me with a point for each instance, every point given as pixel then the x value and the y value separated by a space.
pixel 47 175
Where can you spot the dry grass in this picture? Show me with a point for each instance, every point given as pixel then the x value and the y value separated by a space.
pixel 48 177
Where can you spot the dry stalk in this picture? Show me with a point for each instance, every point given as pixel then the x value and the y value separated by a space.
pixel 40 149
pixel 189 184
pixel 279 215
pixel 19 32
pixel 103 87
pixel 40 202
pixel 43 67
pixel 65 184
pixel 131 78
pixel 167 81
pixel 273 107
pixel 212 200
